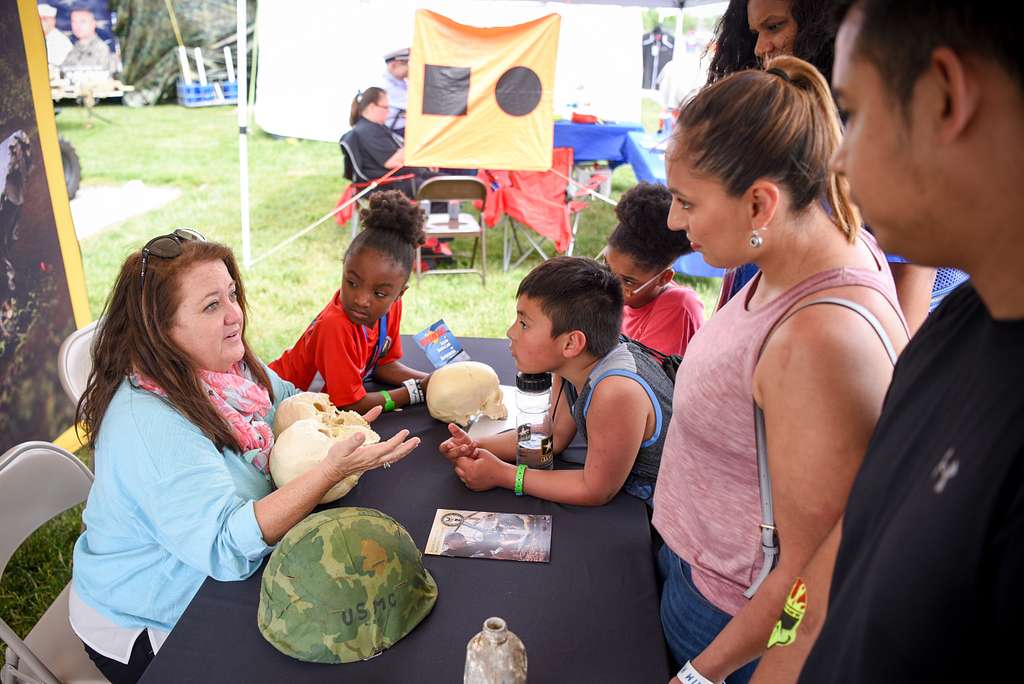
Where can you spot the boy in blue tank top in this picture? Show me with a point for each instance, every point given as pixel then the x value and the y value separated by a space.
pixel 611 392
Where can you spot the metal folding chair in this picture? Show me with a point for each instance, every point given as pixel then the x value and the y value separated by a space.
pixel 74 361
pixel 455 188
pixel 39 481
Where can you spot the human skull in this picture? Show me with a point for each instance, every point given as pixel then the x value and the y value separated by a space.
pixel 461 390
pixel 313 405
pixel 305 442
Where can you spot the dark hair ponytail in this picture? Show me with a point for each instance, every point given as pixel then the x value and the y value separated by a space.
pixel 363 100
pixel 393 226
pixel 790 131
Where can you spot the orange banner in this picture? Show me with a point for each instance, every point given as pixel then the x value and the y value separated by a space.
pixel 481 98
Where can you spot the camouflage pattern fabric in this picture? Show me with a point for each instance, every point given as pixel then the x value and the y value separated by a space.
pixel 149 49
pixel 342 586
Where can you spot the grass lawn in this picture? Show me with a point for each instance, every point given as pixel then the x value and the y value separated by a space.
pixel 292 183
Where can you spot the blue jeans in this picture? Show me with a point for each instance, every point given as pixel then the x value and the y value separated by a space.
pixel 689 620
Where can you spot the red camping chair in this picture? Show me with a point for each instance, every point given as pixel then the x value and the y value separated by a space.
pixel 537 199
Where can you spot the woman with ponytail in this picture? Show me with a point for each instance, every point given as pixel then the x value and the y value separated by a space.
pixel 752 32
pixel 816 374
pixel 357 334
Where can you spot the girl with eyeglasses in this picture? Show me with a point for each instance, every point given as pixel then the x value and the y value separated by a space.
pixel 641 250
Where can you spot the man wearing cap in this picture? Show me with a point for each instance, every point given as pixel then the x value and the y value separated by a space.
pixel 89 51
pixel 57 44
pixel 396 82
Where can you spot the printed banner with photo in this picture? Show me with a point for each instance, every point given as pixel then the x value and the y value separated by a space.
pixel 479 534
pixel 42 289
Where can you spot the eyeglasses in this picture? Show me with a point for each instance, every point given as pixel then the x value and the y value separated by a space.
pixel 635 290
pixel 166 247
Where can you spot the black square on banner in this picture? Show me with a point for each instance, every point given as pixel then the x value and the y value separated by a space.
pixel 445 90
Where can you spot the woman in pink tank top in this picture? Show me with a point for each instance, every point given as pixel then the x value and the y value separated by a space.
pixel 748 170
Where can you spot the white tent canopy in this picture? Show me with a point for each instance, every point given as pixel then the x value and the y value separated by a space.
pixel 313 62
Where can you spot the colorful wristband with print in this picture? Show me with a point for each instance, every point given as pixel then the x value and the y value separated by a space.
pixel 520 475
pixel 389 403
pixel 689 675
pixel 412 386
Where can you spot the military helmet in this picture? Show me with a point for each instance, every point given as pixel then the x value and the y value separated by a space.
pixel 343 585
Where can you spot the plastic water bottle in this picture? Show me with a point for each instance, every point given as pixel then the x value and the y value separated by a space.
pixel 495 656
pixel 534 441
pixel 453 213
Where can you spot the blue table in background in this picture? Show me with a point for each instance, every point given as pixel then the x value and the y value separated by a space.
pixel 595 142
pixel 645 156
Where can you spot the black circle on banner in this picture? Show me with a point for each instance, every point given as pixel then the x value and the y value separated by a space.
pixel 518 91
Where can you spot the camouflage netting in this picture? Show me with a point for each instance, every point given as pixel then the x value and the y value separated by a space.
pixel 343 585
pixel 148 45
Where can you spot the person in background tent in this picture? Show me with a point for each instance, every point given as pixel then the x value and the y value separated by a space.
pixel 641 251
pixel 753 31
pixel 356 336
pixel 396 83
pixel 376 148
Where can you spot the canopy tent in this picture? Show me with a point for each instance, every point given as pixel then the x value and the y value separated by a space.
pixel 305 85
pixel 313 62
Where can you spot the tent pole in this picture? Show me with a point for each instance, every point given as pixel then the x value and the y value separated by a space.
pixel 243 125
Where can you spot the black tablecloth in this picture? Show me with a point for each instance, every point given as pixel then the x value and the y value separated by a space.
pixel 590 615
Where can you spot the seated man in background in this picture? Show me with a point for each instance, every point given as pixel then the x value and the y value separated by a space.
pixel 89 50
pixel 396 83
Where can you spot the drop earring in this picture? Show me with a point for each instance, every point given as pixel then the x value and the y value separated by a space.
pixel 755 237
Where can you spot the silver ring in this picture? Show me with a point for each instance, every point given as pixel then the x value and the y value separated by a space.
pixel 387 464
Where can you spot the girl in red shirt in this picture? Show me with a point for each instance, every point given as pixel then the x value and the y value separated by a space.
pixel 357 333
pixel 640 252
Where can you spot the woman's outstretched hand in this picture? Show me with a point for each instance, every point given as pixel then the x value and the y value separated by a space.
pixel 348 457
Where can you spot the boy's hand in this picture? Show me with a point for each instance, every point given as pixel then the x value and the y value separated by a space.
pixel 481 471
pixel 460 445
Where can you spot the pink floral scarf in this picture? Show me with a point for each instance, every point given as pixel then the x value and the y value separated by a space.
pixel 242 402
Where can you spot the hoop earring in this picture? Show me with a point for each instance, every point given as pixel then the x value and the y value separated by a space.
pixel 756 240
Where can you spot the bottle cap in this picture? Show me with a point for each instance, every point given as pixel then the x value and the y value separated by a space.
pixel 533 382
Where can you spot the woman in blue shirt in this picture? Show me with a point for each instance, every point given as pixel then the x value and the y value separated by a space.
pixel 178 409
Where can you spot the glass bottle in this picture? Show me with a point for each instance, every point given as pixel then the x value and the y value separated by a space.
pixel 534 441
pixel 495 656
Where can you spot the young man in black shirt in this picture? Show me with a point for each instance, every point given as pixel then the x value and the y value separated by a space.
pixel 926 584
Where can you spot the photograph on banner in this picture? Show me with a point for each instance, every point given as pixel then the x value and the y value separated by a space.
pixel 36 311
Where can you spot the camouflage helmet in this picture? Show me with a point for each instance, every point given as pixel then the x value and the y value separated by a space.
pixel 343 585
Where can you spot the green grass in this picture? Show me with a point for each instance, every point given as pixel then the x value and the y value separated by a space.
pixel 292 183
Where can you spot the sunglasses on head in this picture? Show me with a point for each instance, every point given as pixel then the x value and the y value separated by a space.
pixel 166 247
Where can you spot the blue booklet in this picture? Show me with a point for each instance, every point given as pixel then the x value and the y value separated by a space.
pixel 440 345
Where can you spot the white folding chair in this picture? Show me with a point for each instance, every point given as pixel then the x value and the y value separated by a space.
pixel 454 188
pixel 39 481
pixel 74 361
